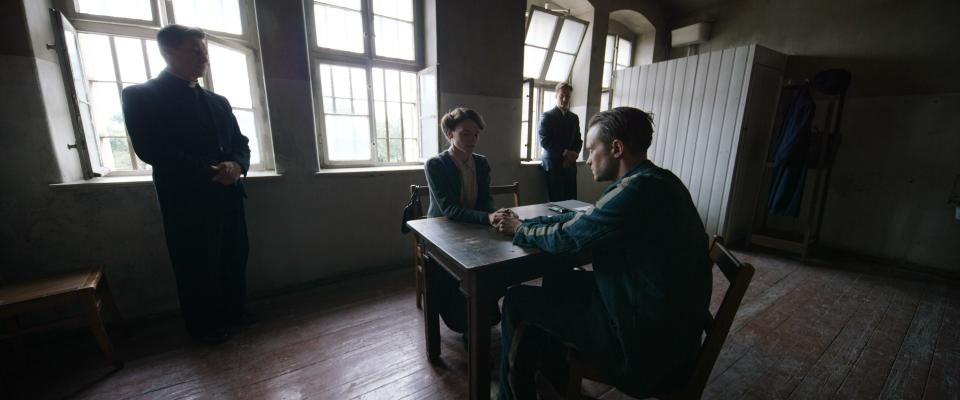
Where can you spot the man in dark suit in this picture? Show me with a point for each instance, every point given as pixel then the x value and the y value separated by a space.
pixel 191 139
pixel 560 138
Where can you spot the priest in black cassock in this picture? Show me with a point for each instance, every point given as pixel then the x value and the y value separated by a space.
pixel 191 139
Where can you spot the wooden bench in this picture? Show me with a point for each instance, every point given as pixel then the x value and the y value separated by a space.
pixel 87 288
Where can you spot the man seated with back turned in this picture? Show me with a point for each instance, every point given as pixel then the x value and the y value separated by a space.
pixel 639 315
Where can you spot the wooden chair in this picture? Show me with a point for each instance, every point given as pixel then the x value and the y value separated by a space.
pixel 417 192
pixel 88 288
pixel 716 329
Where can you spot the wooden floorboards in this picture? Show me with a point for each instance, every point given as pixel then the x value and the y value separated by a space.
pixel 803 332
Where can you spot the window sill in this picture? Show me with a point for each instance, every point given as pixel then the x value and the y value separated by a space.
pixel 142 180
pixel 537 163
pixel 369 171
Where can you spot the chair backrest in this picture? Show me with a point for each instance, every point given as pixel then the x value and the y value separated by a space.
pixel 417 192
pixel 513 188
pixel 718 326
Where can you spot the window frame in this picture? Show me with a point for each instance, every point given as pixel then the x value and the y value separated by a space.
pixel 536 102
pixel 368 60
pixel 608 91
pixel 557 29
pixel 246 43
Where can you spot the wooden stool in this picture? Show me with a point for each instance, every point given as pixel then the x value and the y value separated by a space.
pixel 86 287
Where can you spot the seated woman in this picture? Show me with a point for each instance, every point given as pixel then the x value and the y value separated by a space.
pixel 459 183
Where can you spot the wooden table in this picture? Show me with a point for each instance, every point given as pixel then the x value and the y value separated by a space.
pixel 485 262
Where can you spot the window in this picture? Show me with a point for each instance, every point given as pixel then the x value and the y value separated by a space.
pixel 617 55
pixel 551 44
pixel 103 56
pixel 537 98
pixel 549 49
pixel 126 9
pixel 373 96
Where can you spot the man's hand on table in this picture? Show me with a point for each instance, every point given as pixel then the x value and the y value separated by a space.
pixel 508 225
pixel 495 217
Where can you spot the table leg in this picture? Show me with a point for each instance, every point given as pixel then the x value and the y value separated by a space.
pixel 478 338
pixel 431 314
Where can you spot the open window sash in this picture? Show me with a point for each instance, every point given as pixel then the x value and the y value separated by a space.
pixel 430 135
pixel 68 50
pixel 527 141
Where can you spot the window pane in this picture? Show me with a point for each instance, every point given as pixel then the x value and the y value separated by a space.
pixel 392 84
pixel 335 81
pixel 358 86
pixel 338 28
pixel 399 9
pixel 382 150
pixel 228 69
pixel 75 68
pixel 346 124
pixel 409 121
pixel 408 87
pixel 380 114
pixel 607 74
pixel 604 101
pixel 117 154
pixel 624 53
pixel 540 30
pixel 130 60
pixel 218 15
pixel 525 107
pixel 396 115
pixel 411 150
pixel 360 107
pixel 394 39
pixel 342 106
pixel 396 150
pixel 341 81
pixel 348 137
pixel 157 64
pixel 523 139
pixel 248 128
pixel 394 129
pixel 570 35
pixel 351 4
pixel 378 89
pixel 89 132
pixel 533 61
pixel 326 82
pixel 107 115
pixel 136 9
pixel 608 51
pixel 97 58
pixel 560 66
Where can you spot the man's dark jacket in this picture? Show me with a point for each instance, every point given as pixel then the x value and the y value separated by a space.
pixel 558 132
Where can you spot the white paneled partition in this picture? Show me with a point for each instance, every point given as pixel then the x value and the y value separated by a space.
pixel 712 116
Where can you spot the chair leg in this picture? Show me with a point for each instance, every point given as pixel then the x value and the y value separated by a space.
pixel 107 297
pixel 12 326
pixel 574 380
pixel 419 272
pixel 99 331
